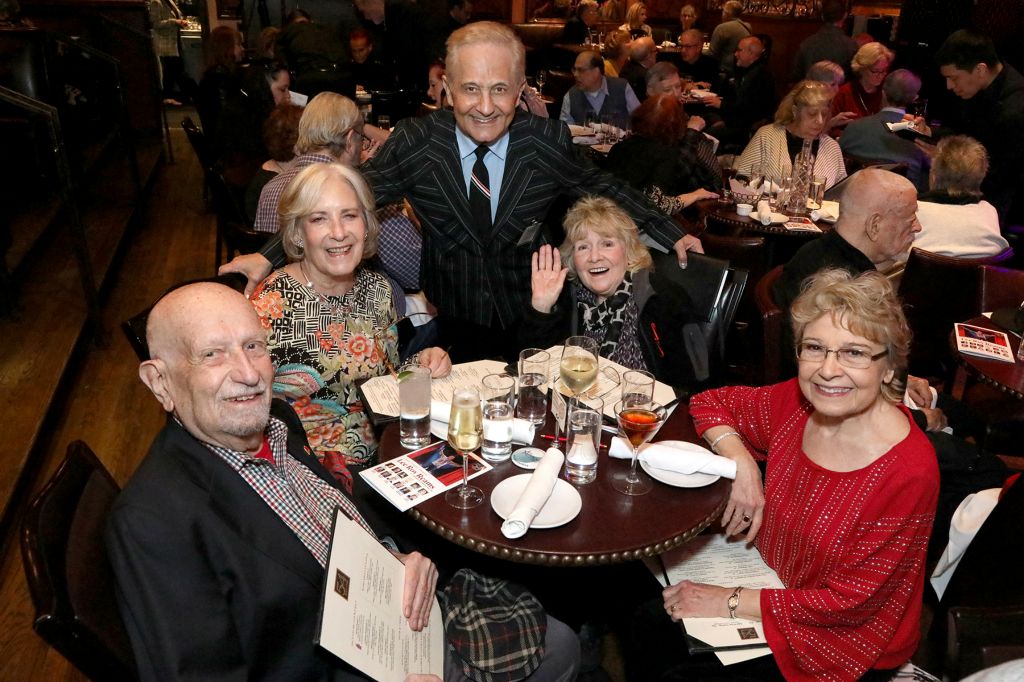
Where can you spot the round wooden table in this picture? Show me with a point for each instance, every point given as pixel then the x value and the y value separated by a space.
pixel 611 528
pixel 726 213
pixel 1008 378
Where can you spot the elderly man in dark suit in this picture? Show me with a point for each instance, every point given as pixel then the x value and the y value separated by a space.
pixel 219 541
pixel 868 138
pixel 482 178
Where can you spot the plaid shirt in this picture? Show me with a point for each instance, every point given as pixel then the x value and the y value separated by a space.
pixel 304 501
pixel 270 197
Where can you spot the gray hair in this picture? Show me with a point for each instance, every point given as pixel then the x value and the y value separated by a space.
pixel 641 48
pixel 826 72
pixel 901 87
pixel 659 72
pixel 733 8
pixel 491 33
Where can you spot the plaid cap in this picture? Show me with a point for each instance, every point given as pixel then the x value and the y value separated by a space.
pixel 497 628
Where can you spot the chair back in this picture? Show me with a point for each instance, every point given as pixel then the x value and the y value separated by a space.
pixel 773 319
pixel 936 292
pixel 200 145
pixel 233 228
pixel 69 577
pixel 1000 288
pixel 715 290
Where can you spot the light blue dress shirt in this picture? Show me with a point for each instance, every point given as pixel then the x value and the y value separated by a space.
pixel 596 100
pixel 494 160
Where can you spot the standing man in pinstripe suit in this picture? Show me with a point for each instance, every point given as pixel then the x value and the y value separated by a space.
pixel 477 271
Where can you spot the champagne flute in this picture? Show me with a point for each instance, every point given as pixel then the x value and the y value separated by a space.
pixel 578 367
pixel 542 76
pixel 638 424
pixel 464 432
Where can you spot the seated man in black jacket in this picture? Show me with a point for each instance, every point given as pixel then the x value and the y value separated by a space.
pixel 747 99
pixel 219 541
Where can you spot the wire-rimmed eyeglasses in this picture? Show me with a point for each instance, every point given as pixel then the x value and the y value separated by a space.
pixel 853 358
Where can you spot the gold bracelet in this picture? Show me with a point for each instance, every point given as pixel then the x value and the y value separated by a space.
pixel 715 442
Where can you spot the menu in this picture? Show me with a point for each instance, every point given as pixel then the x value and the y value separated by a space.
pixel 361 619
pixel 716 560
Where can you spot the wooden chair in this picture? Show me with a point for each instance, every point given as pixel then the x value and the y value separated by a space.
pixel 773 319
pixel 234 232
pixel 936 292
pixel 69 578
pixel 744 252
pixel 135 327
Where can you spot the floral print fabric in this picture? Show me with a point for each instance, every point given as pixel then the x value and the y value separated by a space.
pixel 321 345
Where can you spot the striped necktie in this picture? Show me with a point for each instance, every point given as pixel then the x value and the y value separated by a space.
pixel 480 192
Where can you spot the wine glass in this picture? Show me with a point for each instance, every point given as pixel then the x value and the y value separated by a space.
pixel 464 432
pixel 638 424
pixel 542 76
pixel 578 367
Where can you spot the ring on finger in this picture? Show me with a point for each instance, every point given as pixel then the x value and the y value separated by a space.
pixel 746 519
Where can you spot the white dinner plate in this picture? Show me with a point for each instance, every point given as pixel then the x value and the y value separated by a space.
pixel 562 507
pixel 674 478
pixel 777 218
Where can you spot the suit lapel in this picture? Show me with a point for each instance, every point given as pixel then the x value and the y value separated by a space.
pixel 519 158
pixel 447 172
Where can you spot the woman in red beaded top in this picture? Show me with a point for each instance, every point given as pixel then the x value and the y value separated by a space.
pixel 849 495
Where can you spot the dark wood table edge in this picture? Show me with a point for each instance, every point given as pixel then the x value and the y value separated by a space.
pixel 568 560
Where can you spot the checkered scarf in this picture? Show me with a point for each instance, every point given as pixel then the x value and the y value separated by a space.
pixel 606 321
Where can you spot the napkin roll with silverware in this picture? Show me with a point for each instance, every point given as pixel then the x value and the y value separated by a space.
pixel 687 458
pixel 522 430
pixel 534 496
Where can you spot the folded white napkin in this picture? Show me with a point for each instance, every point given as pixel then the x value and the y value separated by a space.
pixel 534 496
pixel 522 431
pixel 829 212
pixel 764 212
pixel 686 458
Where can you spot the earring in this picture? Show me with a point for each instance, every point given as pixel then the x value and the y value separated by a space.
pixel 298 242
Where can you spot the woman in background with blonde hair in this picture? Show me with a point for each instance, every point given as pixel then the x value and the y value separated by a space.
pixel 803 114
pixel 636 21
pixel 862 95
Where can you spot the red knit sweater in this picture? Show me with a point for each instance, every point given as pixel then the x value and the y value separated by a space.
pixel 849 546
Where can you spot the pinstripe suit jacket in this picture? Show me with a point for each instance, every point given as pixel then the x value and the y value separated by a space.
pixel 467 274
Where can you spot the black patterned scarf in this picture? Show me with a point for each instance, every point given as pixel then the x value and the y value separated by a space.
pixel 605 321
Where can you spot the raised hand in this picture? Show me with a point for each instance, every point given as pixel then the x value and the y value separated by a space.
pixel 547 277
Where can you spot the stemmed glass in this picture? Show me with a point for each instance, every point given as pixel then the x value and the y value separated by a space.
pixel 638 424
pixel 578 367
pixel 464 431
pixel 542 76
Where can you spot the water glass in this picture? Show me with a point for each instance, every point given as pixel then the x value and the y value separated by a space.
pixel 414 406
pixel 583 440
pixel 532 404
pixel 637 388
pixel 816 192
pixel 497 394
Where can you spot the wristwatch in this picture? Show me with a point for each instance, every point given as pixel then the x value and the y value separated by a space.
pixel 734 602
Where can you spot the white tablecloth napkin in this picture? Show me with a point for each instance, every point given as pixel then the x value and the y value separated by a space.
pixel 522 430
pixel 535 495
pixel 687 459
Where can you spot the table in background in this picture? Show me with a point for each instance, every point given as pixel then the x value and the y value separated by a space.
pixel 611 527
pixel 1008 378
pixel 780 243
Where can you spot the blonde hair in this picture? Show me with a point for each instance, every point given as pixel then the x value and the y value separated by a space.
pixel 491 33
pixel 959 165
pixel 806 93
pixel 869 55
pixel 605 218
pixel 633 15
pixel 302 194
pixel 326 122
pixel 865 304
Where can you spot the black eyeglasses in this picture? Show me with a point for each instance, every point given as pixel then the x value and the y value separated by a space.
pixel 853 358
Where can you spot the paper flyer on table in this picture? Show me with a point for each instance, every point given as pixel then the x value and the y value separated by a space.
pixel 607 384
pixel 361 618
pixel 983 343
pixel 381 393
pixel 421 474
pixel 714 560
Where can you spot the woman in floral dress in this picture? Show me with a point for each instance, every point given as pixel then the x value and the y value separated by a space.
pixel 332 321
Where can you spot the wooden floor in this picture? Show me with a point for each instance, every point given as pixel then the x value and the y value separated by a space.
pixel 105 404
